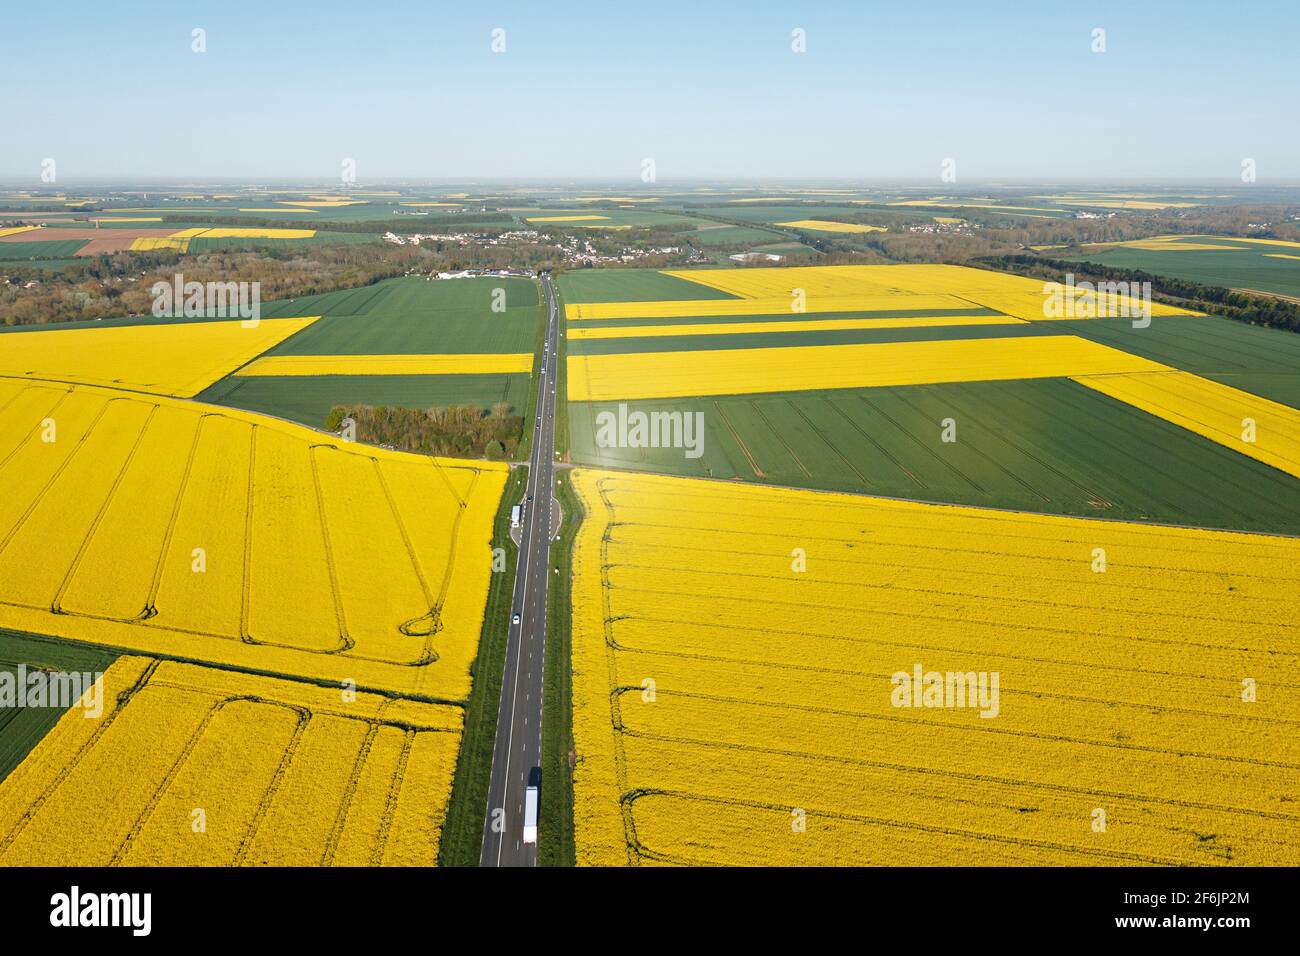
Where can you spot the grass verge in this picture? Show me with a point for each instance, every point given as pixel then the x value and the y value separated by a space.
pixel 462 832
pixel 561 386
pixel 534 384
pixel 555 845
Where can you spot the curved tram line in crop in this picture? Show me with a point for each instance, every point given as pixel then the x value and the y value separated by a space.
pixel 281 495
pixel 1120 690
pixel 154 826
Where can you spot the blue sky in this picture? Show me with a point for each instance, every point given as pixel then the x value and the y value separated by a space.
pixel 708 89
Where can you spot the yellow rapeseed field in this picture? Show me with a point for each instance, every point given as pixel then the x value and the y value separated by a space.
pixel 1145 204
pixel 1031 305
pixel 737 654
pixel 154 243
pixel 854 288
pixel 192 766
pixel 1246 423
pixel 189 530
pixel 631 375
pixel 173 358
pixel 806 325
pixel 938 204
pixel 816 281
pixel 1158 245
pixel 389 364
pixel 1184 242
pixel 15 230
pixel 823 225
pixel 323 203
pixel 1286 243
pixel 564 218
pixel 786 304
pixel 224 233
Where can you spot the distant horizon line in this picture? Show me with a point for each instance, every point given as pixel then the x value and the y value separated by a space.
pixel 32 183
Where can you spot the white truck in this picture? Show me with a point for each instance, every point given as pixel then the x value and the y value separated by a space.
pixel 516 515
pixel 530 813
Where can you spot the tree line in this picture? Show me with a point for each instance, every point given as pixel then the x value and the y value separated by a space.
pixel 1242 306
pixel 463 431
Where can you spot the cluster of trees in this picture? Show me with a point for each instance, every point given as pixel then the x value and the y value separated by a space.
pixel 1272 222
pixel 1000 235
pixel 464 431
pixel 500 254
pixel 117 285
pixel 1244 307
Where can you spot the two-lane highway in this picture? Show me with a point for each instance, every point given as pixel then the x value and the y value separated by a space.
pixel 518 744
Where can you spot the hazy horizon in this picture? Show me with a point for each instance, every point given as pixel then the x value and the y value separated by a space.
pixel 1181 92
pixel 662 184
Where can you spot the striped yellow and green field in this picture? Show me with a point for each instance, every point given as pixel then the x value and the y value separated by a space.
pixel 636 375
pixel 1246 423
pixel 177 358
pixel 1144 202
pixel 630 285
pixel 261 207
pixel 153 244
pixel 110 234
pixel 737 654
pixel 975 205
pixel 736 647
pixel 630 216
pixel 181 240
pixel 587 332
pixel 825 225
pixel 1042 445
pixel 862 289
pixel 859 400
pixel 579 218
pixel 1263 265
pixel 410 342
pixel 770 212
